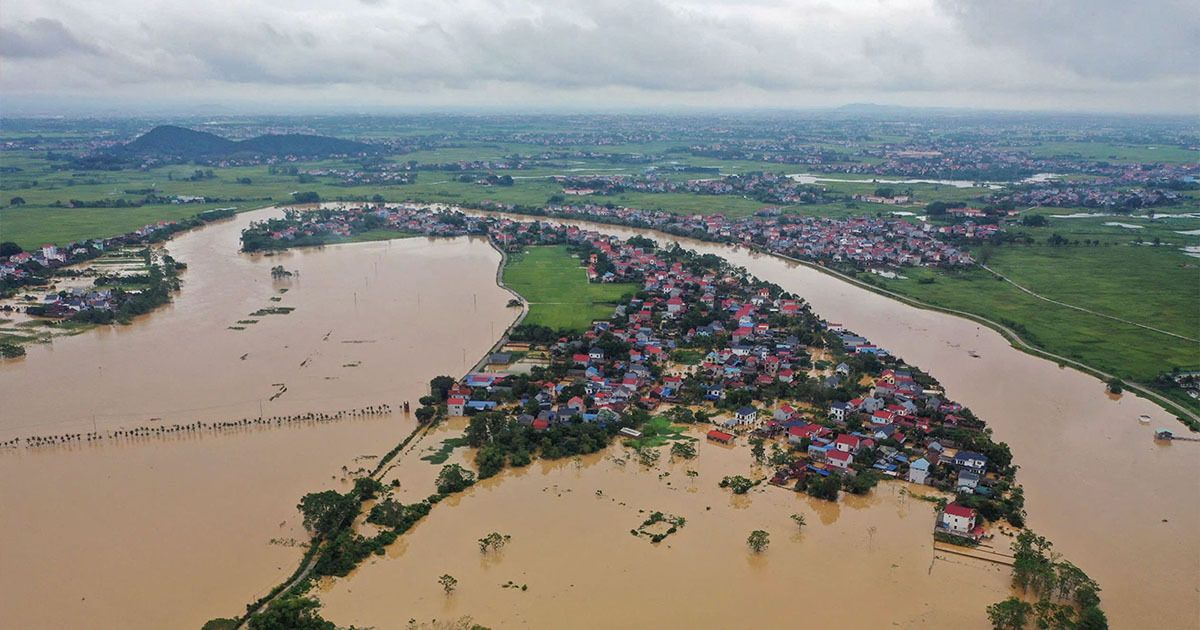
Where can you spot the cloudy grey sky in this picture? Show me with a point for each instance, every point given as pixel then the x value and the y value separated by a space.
pixel 142 55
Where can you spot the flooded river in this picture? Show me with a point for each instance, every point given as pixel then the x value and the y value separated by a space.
pixel 168 533
pixel 1121 506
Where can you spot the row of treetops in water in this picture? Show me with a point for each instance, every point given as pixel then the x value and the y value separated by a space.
pixel 162 427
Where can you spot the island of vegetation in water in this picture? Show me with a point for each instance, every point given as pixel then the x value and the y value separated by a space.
pixel 700 342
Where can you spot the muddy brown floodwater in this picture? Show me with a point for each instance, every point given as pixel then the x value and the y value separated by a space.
pixel 571 545
pixel 1121 506
pixel 170 532
pixel 166 533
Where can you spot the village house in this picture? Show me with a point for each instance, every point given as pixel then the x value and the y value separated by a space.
pixel 918 470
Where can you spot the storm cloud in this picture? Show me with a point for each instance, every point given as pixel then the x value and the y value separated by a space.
pixel 608 53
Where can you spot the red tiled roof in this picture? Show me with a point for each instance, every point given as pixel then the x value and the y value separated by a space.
pixel 955 509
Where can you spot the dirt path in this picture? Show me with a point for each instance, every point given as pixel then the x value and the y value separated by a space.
pixel 245 623
pixel 1010 334
pixel 1086 310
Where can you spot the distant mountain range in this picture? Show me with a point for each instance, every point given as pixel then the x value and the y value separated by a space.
pixel 172 141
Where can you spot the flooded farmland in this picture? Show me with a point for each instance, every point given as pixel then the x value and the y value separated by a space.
pixel 570 523
pixel 170 532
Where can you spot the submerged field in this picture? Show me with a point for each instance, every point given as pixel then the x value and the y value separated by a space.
pixel 556 287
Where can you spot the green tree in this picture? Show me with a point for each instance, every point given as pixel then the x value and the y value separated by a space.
pixel 454 478
pixel 683 449
pixel 647 456
pixel 291 613
pixel 758 540
pixel 489 460
pixel 1010 614
pixel 439 386
pixel 448 583
pixel 758 450
pixel 494 541
pixel 1092 618
pixel 326 512
pixel 737 483
pixel 16 201
pixel 799 520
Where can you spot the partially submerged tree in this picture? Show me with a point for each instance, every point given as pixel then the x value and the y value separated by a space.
pixel 758 540
pixel 494 541
pixel 454 478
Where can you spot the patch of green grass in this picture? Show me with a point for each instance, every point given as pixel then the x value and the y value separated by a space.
pixel 687 356
pixel 1115 152
pixel 372 235
pixel 556 288
pixel 442 454
pixel 658 432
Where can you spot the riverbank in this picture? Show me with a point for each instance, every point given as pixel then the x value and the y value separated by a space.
pixel 1186 416
pixel 1060 423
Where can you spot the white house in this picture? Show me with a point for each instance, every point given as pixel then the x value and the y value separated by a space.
pixel 918 471
pixel 957 518
pixel 838 411
pixel 784 413
pixel 973 462
pixel 746 415
pixel 838 459
pixel 456 406
pixel 847 443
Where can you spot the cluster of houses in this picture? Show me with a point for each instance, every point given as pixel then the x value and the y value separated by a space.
pixel 22 268
pixel 752 331
pixel 771 187
pixel 1088 196
pixel 887 201
pixel 383 175
pixel 864 240
pixel 64 303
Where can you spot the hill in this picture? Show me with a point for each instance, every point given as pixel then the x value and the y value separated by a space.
pixel 172 141
pixel 302 144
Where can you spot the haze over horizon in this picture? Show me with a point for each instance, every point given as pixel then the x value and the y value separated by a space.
pixel 128 56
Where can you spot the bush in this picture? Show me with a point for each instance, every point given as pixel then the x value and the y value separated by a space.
pixel 454 478
pixel 737 483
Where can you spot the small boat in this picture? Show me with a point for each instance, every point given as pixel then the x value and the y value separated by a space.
pixel 974 355
pixel 1144 419
pixel 155 419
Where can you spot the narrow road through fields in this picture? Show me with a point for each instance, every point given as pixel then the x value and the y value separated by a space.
pixel 1086 310
pixel 1011 335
